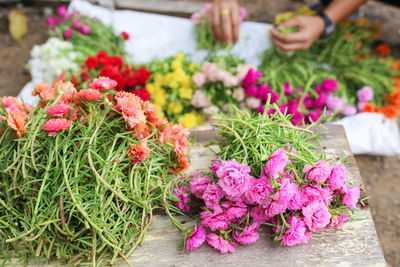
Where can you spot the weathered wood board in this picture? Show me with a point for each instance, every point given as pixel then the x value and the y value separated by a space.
pixel 355 244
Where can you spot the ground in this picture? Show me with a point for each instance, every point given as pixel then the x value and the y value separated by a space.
pixel 381 174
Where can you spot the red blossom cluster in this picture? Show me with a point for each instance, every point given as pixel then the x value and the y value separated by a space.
pixel 128 78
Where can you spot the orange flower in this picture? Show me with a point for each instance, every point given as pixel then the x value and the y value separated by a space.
pixel 397 84
pixel 39 88
pixel 16 120
pixel 369 107
pixel 383 49
pixel 139 152
pixel 390 112
pixel 394 98
pixel 131 108
pixel 358 46
pixel 348 36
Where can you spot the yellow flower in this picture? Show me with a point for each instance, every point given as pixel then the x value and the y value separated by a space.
pixel 189 120
pixel 160 97
pixel 186 92
pixel 173 84
pixel 175 107
pixel 194 67
pixel 180 56
pixel 176 64
pixel 158 78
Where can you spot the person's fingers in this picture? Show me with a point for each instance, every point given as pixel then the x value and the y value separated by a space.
pixel 226 24
pixel 235 16
pixel 295 22
pixel 291 46
pixel 215 21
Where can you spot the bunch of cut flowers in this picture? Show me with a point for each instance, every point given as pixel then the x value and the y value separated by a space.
pixel 128 77
pixel 347 55
pixel 88 35
pixel 202 30
pixel 171 87
pixel 83 172
pixel 219 84
pixel 266 173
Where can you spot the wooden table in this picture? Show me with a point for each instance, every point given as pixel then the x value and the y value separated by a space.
pixel 355 244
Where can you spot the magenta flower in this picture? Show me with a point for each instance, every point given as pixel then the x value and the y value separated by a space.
pixel 251 78
pixel 330 85
pixel 337 177
pixel 182 196
pixel 319 173
pixel 215 221
pixel 287 89
pixel 259 215
pixel 258 191
pixel 297 233
pixel 222 245
pixel 85 29
pixel 248 235
pixel 320 102
pixel 52 21
pixel 274 97
pixel 62 11
pixel 216 164
pixel 198 184
pixel 312 117
pixel 234 211
pixel 316 215
pixel 316 192
pixel 251 90
pixel 297 200
pixel 196 239
pixel 365 94
pixel 76 23
pixel 297 118
pixel 67 34
pixel 211 196
pixel 276 163
pixel 234 179
pixel 292 106
pixel 261 109
pixel 350 195
pixel 349 110
pixel 334 102
pixel 319 89
pixel 283 109
pixel 263 90
pixel 280 201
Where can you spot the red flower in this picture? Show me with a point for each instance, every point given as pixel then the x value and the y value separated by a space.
pixel 125 35
pixel 142 75
pixel 85 76
pixel 109 71
pixel 102 57
pixel 142 93
pixel 74 80
pixel 131 81
pixel 120 81
pixel 92 62
pixel 116 61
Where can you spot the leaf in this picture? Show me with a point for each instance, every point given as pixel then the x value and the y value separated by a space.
pixel 17 24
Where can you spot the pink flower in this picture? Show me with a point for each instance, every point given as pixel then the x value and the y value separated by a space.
pixel 196 18
pixel 85 29
pixel 297 118
pixel 198 184
pixel 196 239
pixel 337 177
pixel 67 34
pixel 253 103
pixel 312 117
pixel 200 100
pixel 350 195
pixel 316 192
pixel 297 200
pixel 319 173
pixel 216 164
pixel 89 94
pixel 321 100
pixel 334 102
pixel 59 110
pixel 179 193
pixel 259 215
pixel 365 94
pixel 349 110
pixel 103 84
pixel 222 245
pixel 287 89
pixel 251 78
pixel 316 215
pixel 251 90
pixel 338 220
pixel 274 97
pixel 242 13
pixel 248 235
pixel 52 21
pixel 215 221
pixel 297 233
pixel 76 23
pixel 211 196
pixel 330 85
pixel 62 11
pixel 360 106
pixel 55 125
pixel 258 191
pixel 280 201
pixel 276 163
pixel 234 211
pixel 263 91
pixel 234 179
pixel 199 79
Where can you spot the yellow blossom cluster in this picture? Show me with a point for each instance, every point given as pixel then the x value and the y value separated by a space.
pixel 171 89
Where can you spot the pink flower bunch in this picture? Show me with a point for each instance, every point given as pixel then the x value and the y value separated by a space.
pixel 198 17
pixel 236 203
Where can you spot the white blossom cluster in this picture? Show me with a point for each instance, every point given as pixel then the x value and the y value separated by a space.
pixel 51 59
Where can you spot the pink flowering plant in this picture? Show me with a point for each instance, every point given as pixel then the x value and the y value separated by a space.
pixel 202 30
pixel 88 35
pixel 266 173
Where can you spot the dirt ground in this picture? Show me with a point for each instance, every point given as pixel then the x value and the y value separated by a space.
pixel 381 174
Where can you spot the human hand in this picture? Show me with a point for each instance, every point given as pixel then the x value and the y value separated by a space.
pixel 309 30
pixel 224 20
